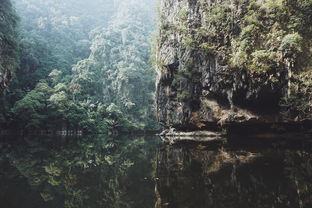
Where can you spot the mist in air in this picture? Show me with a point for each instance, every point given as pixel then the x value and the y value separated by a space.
pixel 81 66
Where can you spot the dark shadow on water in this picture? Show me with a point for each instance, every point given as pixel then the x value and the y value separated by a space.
pixel 141 172
pixel 243 173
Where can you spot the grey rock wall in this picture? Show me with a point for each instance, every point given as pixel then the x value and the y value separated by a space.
pixel 195 89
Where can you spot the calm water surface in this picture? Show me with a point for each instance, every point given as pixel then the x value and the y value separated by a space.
pixel 142 172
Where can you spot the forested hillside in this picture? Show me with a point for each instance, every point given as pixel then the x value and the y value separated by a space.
pixel 83 66
pixel 8 42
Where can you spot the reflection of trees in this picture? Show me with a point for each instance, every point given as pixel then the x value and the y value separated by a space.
pixel 299 172
pixel 192 177
pixel 90 172
pixel 104 172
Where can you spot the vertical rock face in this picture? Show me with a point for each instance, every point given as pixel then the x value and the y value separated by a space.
pixel 213 71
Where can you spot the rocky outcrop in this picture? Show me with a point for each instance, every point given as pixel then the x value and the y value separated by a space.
pixel 5 78
pixel 172 136
pixel 204 84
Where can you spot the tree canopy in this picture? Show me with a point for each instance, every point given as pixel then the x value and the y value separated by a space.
pixel 84 66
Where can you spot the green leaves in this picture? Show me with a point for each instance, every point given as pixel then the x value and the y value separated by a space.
pixel 291 45
pixel 9 59
pixel 117 73
pixel 298 105
pixel 263 60
pixel 52 170
pixel 32 109
pixel 76 62
pixel 258 35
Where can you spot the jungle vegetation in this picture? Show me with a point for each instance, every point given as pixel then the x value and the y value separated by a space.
pixel 257 36
pixel 77 65
pixel 83 65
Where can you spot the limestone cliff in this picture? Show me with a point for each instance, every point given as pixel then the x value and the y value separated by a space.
pixel 221 63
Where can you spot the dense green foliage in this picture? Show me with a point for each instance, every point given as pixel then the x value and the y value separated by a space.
pixel 255 35
pixel 298 104
pixel 267 35
pixel 258 37
pixel 8 42
pixel 55 34
pixel 84 66
pixel 119 67
pixel 9 59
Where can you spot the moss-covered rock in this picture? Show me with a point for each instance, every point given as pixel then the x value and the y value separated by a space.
pixel 244 56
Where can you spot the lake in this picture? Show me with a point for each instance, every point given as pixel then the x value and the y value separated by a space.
pixel 143 172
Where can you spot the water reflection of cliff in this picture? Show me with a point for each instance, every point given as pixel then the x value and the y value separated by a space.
pixel 122 172
pixel 233 178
